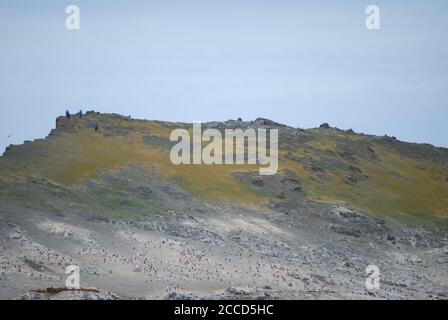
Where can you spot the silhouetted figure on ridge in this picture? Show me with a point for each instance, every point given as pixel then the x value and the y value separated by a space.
pixel 80 114
pixel 67 114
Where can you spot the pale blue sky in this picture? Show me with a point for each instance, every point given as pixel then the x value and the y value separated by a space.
pixel 297 62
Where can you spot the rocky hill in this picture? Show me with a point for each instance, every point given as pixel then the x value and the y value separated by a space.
pixel 111 201
pixel 378 175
